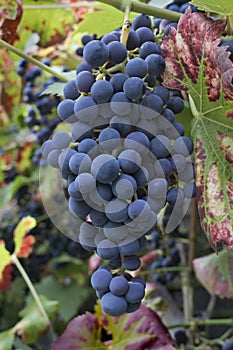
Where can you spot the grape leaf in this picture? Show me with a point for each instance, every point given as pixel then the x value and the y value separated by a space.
pixel 32 325
pixel 10 15
pixel 5 280
pixel 54 89
pixel 23 245
pixel 197 65
pixel 216 275
pixel 6 340
pixel 83 332
pixel 216 6
pixel 5 258
pixel 143 329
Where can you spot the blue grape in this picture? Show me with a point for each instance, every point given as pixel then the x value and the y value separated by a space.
pixel 131 262
pixel 118 285
pixel 153 102
pixel 156 64
pixel 100 280
pixel 102 91
pixel 95 53
pixel 122 125
pixel 160 146
pixel 132 41
pixel 175 196
pixel 162 92
pixel 129 248
pixel 117 81
pixel 84 81
pixel 163 168
pixel 183 145
pixel 53 158
pixel 83 66
pixel 157 188
pixel 86 38
pixel 47 147
pixel 61 139
pixel 74 193
pixel 120 104
pixel 117 52
pixel 88 146
pixel 168 26
pixel 133 307
pixel 85 183
pixel 115 231
pixel 105 168
pixel 107 249
pixel 179 128
pixel 176 104
pixel 117 210
pixel 145 34
pixel 113 305
pixel 70 90
pixel 138 141
pixel 134 88
pixel 168 114
pixel 129 161
pixel 190 190
pixel 64 159
pixel 105 191
pixel 65 109
pixel 139 210
pixel 141 21
pixel 124 186
pixel 85 109
pixel 135 293
pixel 98 218
pixel 81 131
pixel 141 176
pixel 148 48
pixel 108 38
pixel 228 345
pixel 79 163
pixel 136 67
pixel 109 139
pixel 79 208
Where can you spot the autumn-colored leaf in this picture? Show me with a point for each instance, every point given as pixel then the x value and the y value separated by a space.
pixel 5 281
pixel 23 245
pixel 10 15
pixel 215 273
pixel 5 259
pixel 23 160
pixel 81 333
pixel 197 65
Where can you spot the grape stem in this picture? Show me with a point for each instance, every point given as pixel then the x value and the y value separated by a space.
pixel 32 60
pixel 208 322
pixel 33 292
pixel 139 7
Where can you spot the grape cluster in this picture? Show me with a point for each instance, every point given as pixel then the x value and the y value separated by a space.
pixel 227 345
pixel 126 157
pixel 181 6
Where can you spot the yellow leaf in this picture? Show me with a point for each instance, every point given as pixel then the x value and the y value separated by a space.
pixel 23 227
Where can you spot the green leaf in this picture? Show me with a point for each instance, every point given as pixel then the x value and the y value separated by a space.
pixel 5 258
pixel 207 80
pixel 32 325
pixel 105 19
pixel 22 246
pixel 216 6
pixel 70 296
pixel 7 340
pixel 54 89
pixel 215 273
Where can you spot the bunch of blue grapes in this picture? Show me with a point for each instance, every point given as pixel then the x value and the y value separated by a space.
pixel 125 158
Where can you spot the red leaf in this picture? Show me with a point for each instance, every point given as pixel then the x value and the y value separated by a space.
pixel 23 245
pixel 26 247
pixel 5 281
pixel 197 35
pixel 9 23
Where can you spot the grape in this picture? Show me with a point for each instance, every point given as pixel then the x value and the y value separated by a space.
pixel 124 186
pixel 180 336
pixel 138 141
pixel 148 48
pixel 175 196
pixel 179 162
pixel 229 44
pixel 102 91
pixel 85 183
pixel 118 285
pixel 64 159
pixel 117 52
pixel 168 114
pixel 79 208
pixel 141 176
pixel 61 139
pixel 131 262
pixel 84 81
pixel 173 7
pixel 47 147
pixel 168 26
pixel 162 92
pixel 163 168
pixel 135 293
pixel 101 279
pixel 129 248
pixel 145 34
pixel 122 125
pixel 132 41
pixel 187 174
pixel 80 163
pixel 108 38
pixel 139 210
pixel 133 307
pixel 183 145
pixel 65 109
pixel 134 88
pixel 129 161
pixel 83 66
pixel 190 190
pixel 153 102
pixel 85 109
pixel 104 191
pixel 160 146
pixel 115 231
pixel 176 104
pixel 70 90
pixel 157 188
pixel 105 168
pixel 179 127
pixel 136 67
pixel 107 249
pixel 109 139
pixel 141 21
pixel 117 81
pixel 74 193
pixel 113 305
pixel 120 104
pixel 227 345
pixel 95 53
pixel 88 146
pixel 53 157
pixel 98 218
pixel 117 210
pixel 156 65
pixel 81 131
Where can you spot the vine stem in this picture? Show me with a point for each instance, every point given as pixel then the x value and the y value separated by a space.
pixel 207 322
pixel 140 7
pixel 32 60
pixel 32 290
